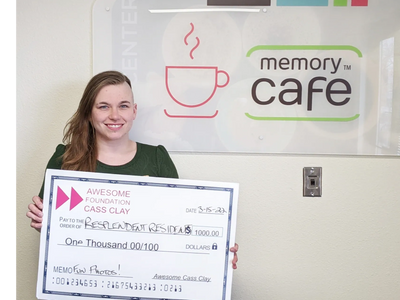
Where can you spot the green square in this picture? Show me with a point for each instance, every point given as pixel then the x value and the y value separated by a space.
pixel 340 3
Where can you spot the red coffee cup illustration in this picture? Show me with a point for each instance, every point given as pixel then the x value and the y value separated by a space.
pixel 194 86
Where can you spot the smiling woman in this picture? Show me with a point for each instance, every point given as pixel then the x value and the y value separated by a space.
pixel 113 113
pixel 100 127
pixel 97 139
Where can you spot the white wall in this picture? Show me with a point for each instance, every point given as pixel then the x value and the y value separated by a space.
pixel 344 245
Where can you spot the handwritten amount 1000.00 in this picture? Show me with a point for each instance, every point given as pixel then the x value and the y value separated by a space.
pixel 117 285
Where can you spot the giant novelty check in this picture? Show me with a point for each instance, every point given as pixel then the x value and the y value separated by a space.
pixel 107 236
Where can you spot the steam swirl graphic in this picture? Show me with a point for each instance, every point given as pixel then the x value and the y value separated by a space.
pixel 197 41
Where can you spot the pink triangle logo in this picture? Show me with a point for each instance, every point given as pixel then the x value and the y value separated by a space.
pixel 75 199
pixel 62 198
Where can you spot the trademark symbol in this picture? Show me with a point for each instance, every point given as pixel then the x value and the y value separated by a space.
pixel 347 67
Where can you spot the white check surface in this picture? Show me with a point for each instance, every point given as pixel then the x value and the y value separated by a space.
pixel 107 236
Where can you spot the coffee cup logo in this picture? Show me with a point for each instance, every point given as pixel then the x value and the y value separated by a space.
pixel 194 86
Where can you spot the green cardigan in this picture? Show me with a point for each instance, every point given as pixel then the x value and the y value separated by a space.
pixel 149 160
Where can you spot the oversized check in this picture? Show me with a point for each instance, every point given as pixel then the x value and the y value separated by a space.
pixel 107 236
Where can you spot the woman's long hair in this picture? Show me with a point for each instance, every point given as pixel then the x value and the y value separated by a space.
pixel 79 134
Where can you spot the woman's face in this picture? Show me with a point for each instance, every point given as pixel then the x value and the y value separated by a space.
pixel 113 113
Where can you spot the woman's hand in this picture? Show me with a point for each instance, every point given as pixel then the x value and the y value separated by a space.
pixel 235 259
pixel 35 212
